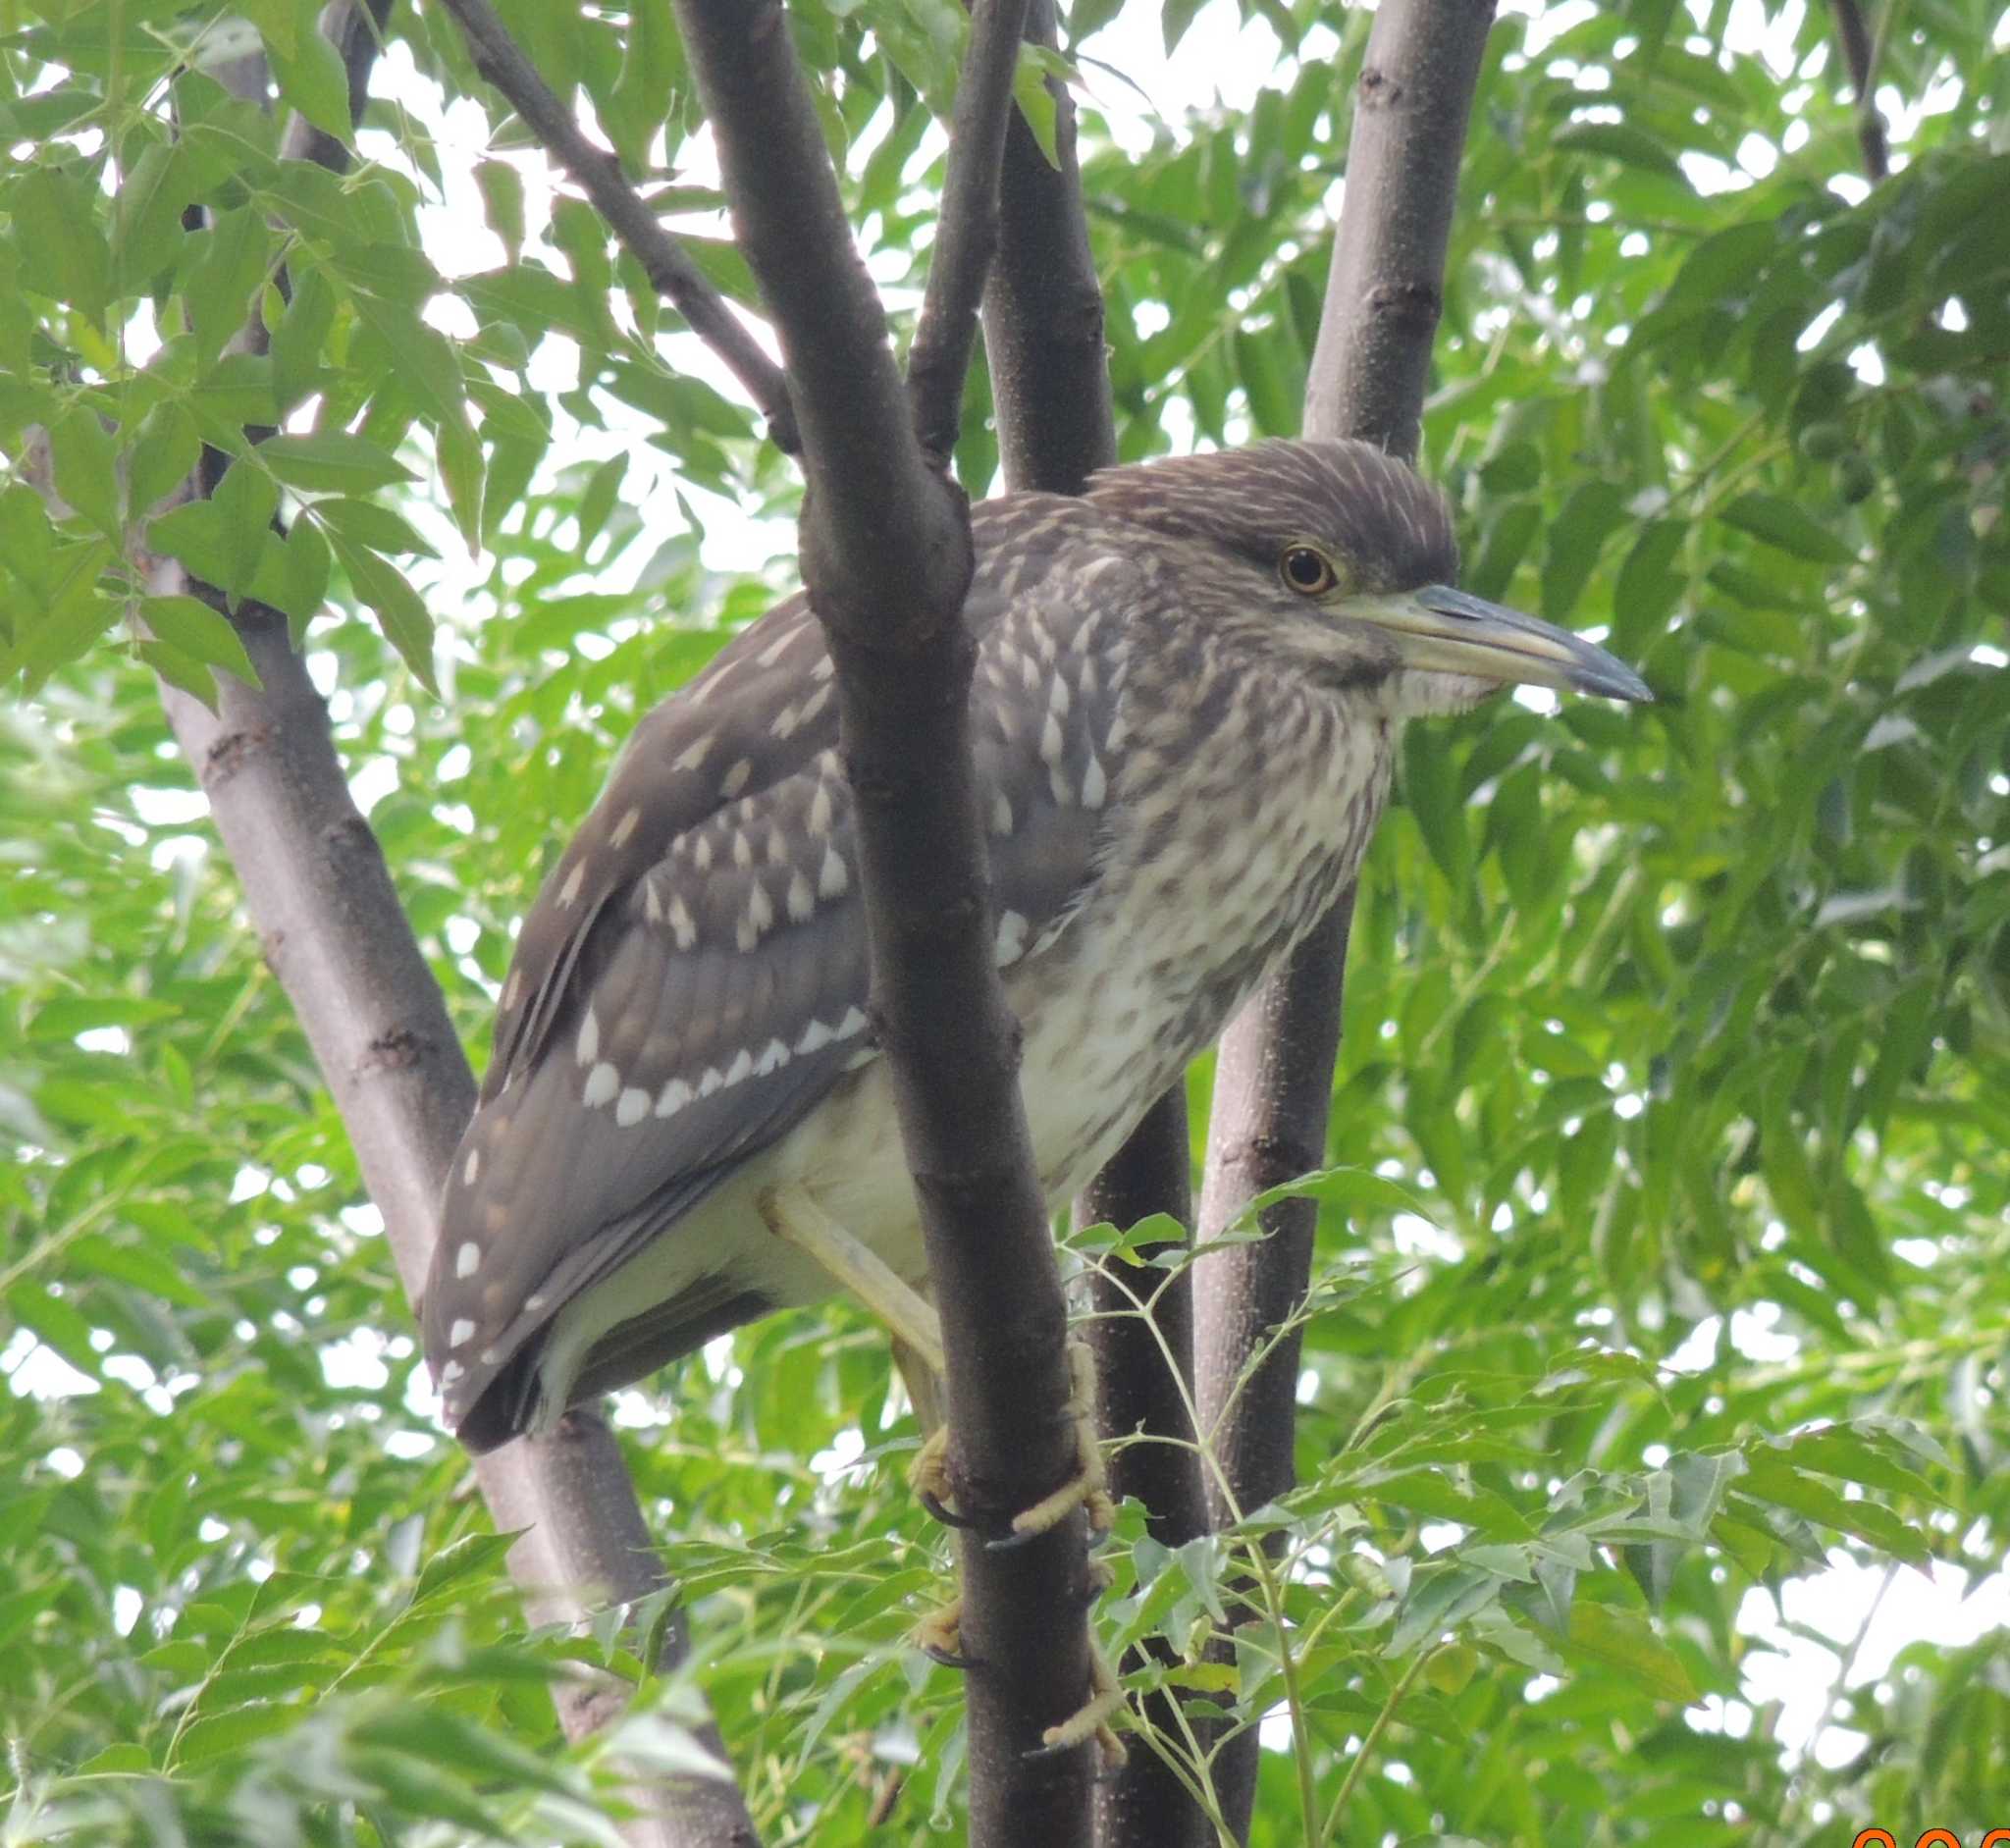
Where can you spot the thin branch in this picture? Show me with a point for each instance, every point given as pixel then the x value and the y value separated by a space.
pixel 333 932
pixel 597 171
pixel 1860 54
pixel 1050 384
pixel 1274 1079
pixel 1043 309
pixel 967 227
pixel 886 556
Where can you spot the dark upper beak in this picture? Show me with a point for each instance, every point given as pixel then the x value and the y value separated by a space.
pixel 1447 631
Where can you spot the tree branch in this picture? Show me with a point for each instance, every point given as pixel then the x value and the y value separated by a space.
pixel 1860 55
pixel 597 171
pixel 1274 1082
pixel 334 935
pixel 966 229
pixel 886 556
pixel 1043 310
pixel 1051 385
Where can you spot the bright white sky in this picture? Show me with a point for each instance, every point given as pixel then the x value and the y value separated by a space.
pixel 1220 60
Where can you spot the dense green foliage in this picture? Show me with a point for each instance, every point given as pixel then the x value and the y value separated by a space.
pixel 1675 1037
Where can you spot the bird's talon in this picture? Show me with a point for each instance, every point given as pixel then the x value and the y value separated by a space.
pixel 940 1635
pixel 940 1510
pixel 928 1477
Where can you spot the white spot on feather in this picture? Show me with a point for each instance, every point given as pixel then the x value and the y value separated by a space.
pixel 1010 946
pixel 471 1167
pixel 1094 786
pixel 1052 742
pixel 853 1023
pixel 1001 814
pixel 802 901
pixel 682 924
pixel 468 1259
pixel 589 1046
pixel 460 1332
pixel 741 1069
pixel 700 854
pixel 632 1107
pixel 773 1056
pixel 735 779
pixel 819 808
pixel 624 828
pixel 602 1083
pixel 450 1372
pixel 815 1036
pixel 694 753
pixel 672 1097
pixel 574 880
pixel 831 876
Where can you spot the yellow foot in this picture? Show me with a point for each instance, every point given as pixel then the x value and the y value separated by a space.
pixel 1089 1488
pixel 928 1477
pixel 1092 1719
pixel 940 1636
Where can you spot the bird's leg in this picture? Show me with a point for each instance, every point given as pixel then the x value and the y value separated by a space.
pixel 917 1331
pixel 792 1215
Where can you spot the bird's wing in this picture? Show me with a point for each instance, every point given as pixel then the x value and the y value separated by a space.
pixel 693 978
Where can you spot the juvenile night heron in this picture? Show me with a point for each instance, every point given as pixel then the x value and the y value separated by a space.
pixel 1188 690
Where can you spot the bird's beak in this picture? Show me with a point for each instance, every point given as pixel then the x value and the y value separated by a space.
pixel 1445 630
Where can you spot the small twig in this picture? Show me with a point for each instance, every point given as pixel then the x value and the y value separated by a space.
pixel 598 173
pixel 1373 1739
pixel 966 234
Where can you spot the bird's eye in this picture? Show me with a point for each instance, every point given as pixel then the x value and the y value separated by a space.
pixel 1306 570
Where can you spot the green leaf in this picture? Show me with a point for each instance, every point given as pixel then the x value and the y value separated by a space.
pixel 1617 1639
pixel 1778 521
pixel 234 255
pixel 367 523
pixel 192 626
pixel 147 232
pixel 381 588
pixel 312 80
pixel 56 218
pixel 87 468
pixel 1036 102
pixel 163 456
pixel 332 460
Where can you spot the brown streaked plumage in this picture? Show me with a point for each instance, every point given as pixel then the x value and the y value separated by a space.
pixel 1186 690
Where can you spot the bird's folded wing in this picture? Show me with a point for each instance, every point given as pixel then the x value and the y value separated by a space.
pixel 693 978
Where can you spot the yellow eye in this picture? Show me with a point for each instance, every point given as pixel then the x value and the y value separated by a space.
pixel 1305 570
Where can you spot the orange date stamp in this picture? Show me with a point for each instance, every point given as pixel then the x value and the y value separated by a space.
pixel 1933 1839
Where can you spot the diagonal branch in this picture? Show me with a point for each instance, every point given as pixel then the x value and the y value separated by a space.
pixel 1274 1082
pixel 1050 382
pixel 886 559
pixel 597 171
pixel 317 889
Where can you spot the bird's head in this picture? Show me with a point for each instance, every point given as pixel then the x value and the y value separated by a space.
pixel 1344 557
